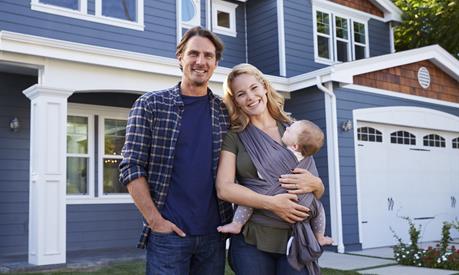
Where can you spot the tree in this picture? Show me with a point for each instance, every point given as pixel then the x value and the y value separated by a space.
pixel 428 22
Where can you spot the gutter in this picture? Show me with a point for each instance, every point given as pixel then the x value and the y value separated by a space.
pixel 333 163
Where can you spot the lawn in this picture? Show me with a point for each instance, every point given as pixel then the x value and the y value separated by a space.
pixel 138 267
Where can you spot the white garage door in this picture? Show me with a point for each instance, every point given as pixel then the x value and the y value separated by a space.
pixel 405 172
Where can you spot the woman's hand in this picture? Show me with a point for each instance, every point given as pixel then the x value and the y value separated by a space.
pixel 302 181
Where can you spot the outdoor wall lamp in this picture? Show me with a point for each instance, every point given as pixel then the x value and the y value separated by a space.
pixel 346 126
pixel 14 124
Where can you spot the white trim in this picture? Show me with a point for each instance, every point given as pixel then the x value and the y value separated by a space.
pixel 178 20
pixel 392 38
pixel 208 14
pixel 230 8
pixel 317 58
pixel 281 38
pixel 196 20
pixel 334 178
pixel 400 95
pixel 98 18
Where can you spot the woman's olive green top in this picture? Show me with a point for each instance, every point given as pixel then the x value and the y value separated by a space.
pixel 265 238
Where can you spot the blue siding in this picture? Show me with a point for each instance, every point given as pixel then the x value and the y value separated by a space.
pixel 379 37
pixel 102 226
pixel 347 101
pixel 14 164
pixel 309 104
pixel 299 38
pixel 262 36
pixel 158 38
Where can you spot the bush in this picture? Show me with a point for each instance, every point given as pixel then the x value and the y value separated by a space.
pixel 440 256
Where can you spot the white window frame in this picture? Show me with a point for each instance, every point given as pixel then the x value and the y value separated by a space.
pixel 121 115
pixel 82 13
pixel 91 111
pixel 230 8
pixel 347 41
pixel 89 155
pixel 333 39
pixel 196 20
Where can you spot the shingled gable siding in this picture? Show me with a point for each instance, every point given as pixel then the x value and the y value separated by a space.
pixel 14 164
pixel 362 5
pixel 379 37
pixel 158 38
pixel 299 38
pixel 348 100
pixel 309 104
pixel 262 36
pixel 404 79
pixel 94 226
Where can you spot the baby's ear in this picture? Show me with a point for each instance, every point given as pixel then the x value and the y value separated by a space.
pixel 295 147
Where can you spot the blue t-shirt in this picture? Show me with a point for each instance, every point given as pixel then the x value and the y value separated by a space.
pixel 191 201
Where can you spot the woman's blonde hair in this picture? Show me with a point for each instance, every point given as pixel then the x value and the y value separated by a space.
pixel 239 119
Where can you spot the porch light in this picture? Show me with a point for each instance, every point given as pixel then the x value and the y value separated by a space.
pixel 14 124
pixel 346 126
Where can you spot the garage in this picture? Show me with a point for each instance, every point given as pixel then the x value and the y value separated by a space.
pixel 407 162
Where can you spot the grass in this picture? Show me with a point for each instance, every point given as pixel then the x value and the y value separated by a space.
pixel 138 268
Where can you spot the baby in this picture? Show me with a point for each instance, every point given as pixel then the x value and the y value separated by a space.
pixel 304 138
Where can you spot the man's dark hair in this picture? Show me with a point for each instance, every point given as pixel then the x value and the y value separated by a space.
pixel 199 31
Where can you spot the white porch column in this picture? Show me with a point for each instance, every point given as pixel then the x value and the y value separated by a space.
pixel 47 208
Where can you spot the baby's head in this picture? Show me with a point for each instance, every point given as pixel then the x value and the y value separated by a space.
pixel 304 137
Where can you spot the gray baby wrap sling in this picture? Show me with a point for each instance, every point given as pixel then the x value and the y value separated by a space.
pixel 271 160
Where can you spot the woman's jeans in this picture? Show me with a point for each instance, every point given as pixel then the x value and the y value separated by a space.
pixel 246 259
pixel 167 253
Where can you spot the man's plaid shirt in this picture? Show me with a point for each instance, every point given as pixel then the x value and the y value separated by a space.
pixel 151 134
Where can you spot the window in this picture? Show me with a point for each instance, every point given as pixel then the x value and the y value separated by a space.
pixel 456 143
pixel 338 38
pixel 403 137
pixel 121 13
pixel 434 140
pixel 369 134
pixel 191 13
pixel 89 147
pixel 224 17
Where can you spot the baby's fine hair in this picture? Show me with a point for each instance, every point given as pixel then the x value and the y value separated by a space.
pixel 310 139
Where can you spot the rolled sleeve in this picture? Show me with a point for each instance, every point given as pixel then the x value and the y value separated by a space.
pixel 136 149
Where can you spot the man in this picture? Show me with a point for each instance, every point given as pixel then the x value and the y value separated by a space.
pixel 173 141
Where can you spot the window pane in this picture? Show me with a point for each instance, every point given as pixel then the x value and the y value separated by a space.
pixel 188 10
pixel 323 47
pixel 111 183
pixel 77 175
pixel 341 27
pixel 341 51
pixel 223 19
pixel 359 52
pixel 77 135
pixel 122 9
pixel 70 4
pixel 115 131
pixel 359 32
pixel 323 25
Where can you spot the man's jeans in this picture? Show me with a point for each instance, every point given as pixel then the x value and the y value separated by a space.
pixel 167 253
pixel 246 259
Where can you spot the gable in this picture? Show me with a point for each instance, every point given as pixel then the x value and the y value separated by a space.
pixel 404 79
pixel 361 5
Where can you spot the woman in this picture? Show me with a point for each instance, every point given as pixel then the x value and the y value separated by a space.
pixel 260 249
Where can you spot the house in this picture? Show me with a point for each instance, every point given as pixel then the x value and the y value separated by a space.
pixel 70 70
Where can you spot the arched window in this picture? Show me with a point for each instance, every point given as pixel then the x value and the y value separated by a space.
pixel 434 140
pixel 456 143
pixel 403 137
pixel 369 134
pixel 191 13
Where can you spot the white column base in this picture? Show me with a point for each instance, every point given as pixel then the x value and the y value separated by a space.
pixel 47 208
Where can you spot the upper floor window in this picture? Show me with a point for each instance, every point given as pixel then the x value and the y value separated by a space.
pixel 456 143
pixel 224 17
pixel 121 13
pixel 339 38
pixel 434 140
pixel 89 147
pixel 369 134
pixel 191 13
pixel 403 137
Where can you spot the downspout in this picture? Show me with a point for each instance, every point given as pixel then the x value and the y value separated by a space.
pixel 333 163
